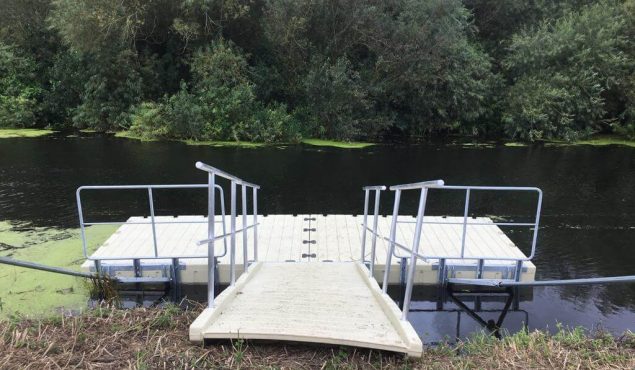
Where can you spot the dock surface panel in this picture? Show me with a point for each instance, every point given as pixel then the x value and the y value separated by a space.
pixel 332 303
pixel 312 238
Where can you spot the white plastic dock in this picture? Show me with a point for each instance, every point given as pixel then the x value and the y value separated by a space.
pixel 311 238
pixel 332 303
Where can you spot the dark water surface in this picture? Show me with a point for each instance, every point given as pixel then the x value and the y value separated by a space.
pixel 587 228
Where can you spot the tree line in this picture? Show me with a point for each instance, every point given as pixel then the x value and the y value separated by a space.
pixel 280 70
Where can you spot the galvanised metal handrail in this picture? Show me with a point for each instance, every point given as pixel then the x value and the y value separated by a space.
pixel 367 189
pixel 211 238
pixel 414 249
pixel 153 222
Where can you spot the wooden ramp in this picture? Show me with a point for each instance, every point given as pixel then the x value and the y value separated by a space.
pixel 326 302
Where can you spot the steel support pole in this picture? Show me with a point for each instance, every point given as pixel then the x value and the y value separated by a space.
pixel 255 207
pixel 154 227
pixel 232 227
pixel 82 228
pixel 391 247
pixel 211 260
pixel 415 251
pixel 244 221
pixel 465 214
pixel 363 258
pixel 374 242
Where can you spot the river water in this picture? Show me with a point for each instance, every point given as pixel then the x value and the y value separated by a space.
pixel 587 226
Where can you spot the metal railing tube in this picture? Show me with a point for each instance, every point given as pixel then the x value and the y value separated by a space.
pixel 211 259
pixel 415 250
pixel 216 171
pixel 392 241
pixel 374 187
pixel 82 229
pixel 221 194
pixel 364 222
pixel 418 185
pixel 154 226
pixel 232 228
pixel 535 236
pixel 255 208
pixel 465 214
pixel 374 242
pixel 244 221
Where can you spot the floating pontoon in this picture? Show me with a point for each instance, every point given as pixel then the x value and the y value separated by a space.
pixel 310 278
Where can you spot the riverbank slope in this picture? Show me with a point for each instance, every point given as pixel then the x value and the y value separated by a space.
pixel 158 338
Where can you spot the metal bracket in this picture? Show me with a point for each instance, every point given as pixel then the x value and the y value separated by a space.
pixel 309 229
pixel 309 242
pixel 312 255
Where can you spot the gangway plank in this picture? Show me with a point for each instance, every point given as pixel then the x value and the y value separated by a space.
pixel 294 302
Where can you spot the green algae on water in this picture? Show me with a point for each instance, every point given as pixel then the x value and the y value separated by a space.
pixel 10 133
pixel 28 292
pixel 214 143
pixel 337 144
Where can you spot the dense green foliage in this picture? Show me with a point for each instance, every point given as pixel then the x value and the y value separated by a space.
pixel 280 70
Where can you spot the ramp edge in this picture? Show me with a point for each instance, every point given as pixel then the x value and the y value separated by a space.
pixel 221 301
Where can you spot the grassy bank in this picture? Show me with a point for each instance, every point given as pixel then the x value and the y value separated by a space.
pixel 158 338
pixel 32 292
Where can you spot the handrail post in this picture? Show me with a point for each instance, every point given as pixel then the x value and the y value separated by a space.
pixel 255 208
pixel 154 228
pixel 393 233
pixel 366 194
pixel 536 224
pixel 82 228
pixel 232 249
pixel 244 226
pixel 374 243
pixel 465 214
pixel 211 259
pixel 415 251
pixel 221 196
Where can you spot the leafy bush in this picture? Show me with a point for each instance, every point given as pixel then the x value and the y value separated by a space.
pixel 112 88
pixel 18 93
pixel 562 73
pixel 232 70
pixel 272 124
pixel 220 105
pixel 336 103
pixel 147 120
pixel 67 76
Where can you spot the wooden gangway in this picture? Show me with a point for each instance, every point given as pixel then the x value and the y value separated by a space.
pixel 327 302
